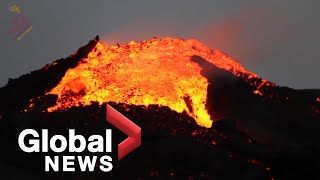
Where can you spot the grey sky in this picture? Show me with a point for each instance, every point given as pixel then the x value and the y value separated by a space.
pixel 278 40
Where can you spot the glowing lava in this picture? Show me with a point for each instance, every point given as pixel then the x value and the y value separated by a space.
pixel 158 71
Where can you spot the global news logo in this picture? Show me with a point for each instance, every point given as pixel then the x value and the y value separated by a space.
pixel 94 144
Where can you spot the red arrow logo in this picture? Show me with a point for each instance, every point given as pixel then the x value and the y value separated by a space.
pixel 126 126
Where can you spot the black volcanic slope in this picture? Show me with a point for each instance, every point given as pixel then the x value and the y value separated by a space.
pixel 256 137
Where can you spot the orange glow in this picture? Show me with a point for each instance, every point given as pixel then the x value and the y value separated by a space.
pixel 258 92
pixel 158 71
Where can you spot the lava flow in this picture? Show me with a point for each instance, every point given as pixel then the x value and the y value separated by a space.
pixel 158 71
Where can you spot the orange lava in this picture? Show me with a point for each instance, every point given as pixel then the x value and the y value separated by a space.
pixel 158 71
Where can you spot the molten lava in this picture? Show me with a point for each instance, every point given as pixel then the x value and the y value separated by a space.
pixel 158 71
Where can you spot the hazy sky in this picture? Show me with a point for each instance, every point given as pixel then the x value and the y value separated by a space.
pixel 277 39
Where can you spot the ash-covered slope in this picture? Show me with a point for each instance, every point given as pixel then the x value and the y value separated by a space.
pixel 260 131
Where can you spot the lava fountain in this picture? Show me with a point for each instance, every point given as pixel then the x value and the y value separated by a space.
pixel 158 71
